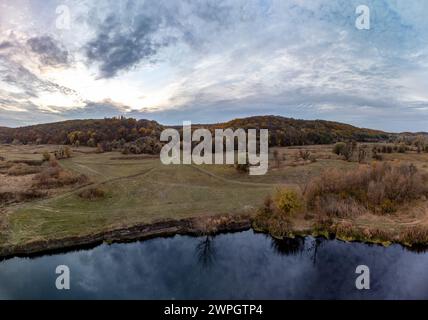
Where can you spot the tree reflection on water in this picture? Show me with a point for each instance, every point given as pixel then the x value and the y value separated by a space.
pixel 206 252
pixel 297 245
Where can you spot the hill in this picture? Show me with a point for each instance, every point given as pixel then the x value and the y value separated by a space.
pixel 84 132
pixel 133 135
pixel 288 132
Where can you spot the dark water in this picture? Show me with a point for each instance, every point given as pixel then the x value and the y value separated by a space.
pixel 240 265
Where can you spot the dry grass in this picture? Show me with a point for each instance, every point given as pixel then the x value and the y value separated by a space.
pixel 22 169
pixel 54 176
pixel 20 196
pixel 379 188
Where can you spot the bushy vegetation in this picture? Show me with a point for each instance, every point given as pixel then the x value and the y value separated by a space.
pixel 149 145
pixel 287 201
pixel 83 132
pixel 46 156
pixel 346 150
pixel 305 154
pixel 379 188
pixel 292 132
pixel 21 169
pixel 19 196
pixel 275 216
pixel 126 133
pixel 92 194
pixel 339 148
pixel 54 176
pixel 334 199
pixel 62 153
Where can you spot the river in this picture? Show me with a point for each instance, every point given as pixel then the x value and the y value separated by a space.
pixel 241 265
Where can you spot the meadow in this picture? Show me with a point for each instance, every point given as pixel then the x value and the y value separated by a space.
pixel 121 191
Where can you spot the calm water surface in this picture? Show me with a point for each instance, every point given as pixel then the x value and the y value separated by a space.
pixel 241 265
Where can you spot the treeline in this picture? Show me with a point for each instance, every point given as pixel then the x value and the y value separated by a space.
pixel 108 133
pixel 292 132
pixel 142 136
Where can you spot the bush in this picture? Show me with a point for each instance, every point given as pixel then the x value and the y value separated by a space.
pixel 53 176
pixel 22 169
pixel 379 188
pixel 304 154
pixel 11 197
pixel 288 201
pixel 362 154
pixel 402 148
pixel 46 156
pixel 62 153
pixel 267 204
pixel 92 194
pixel 377 156
pixel 339 148
pixel 345 149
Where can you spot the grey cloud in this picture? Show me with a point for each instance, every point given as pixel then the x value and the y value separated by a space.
pixel 19 76
pixel 5 45
pixel 138 33
pixel 116 49
pixel 50 51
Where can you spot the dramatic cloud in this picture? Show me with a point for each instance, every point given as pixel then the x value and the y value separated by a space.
pixel 211 60
pixel 49 51
pixel 139 30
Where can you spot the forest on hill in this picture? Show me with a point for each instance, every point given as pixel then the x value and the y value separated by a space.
pixel 292 132
pixel 142 136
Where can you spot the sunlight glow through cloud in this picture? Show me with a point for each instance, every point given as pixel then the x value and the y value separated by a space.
pixel 209 60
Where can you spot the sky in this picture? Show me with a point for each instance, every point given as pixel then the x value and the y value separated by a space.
pixel 208 61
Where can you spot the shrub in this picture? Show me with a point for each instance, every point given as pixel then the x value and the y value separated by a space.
pixel 46 156
pixel 304 154
pixel 53 176
pixel 92 194
pixel 362 155
pixel 414 235
pixel 10 197
pixel 288 201
pixel 377 156
pixel 402 148
pixel 339 148
pixel 345 149
pixel 379 188
pixel 99 149
pixel 267 204
pixel 21 169
pixel 276 158
pixel 67 152
pixel 62 153
pixel 242 167
pixel 337 206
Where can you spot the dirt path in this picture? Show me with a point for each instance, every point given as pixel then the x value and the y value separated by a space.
pixel 38 204
pixel 254 184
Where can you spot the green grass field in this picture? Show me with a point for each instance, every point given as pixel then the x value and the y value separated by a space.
pixel 140 190
pixel 137 191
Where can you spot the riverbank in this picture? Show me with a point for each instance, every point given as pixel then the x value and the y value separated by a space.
pixel 190 226
pixel 199 226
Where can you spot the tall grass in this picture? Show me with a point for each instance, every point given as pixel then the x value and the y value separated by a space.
pixel 54 176
pixel 379 188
